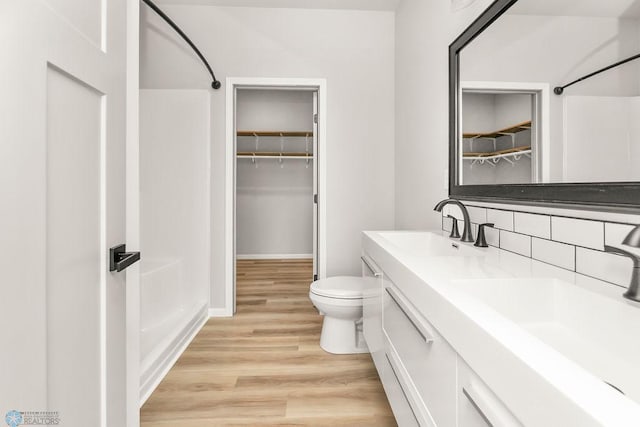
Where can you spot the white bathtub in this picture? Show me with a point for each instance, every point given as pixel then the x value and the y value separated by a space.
pixel 167 320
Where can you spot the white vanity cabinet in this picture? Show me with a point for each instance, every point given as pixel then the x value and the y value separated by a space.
pixel 427 383
pixel 478 406
pixel 423 361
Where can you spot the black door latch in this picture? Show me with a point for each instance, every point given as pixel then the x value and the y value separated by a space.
pixel 119 259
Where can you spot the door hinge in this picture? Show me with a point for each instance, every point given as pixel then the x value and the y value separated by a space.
pixel 315 118
pixel 315 198
pixel 315 277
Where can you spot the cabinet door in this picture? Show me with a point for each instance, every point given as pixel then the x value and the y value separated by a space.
pixel 372 307
pixel 426 360
pixel 478 406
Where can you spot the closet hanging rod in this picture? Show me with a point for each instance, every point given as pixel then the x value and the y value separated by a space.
pixel 215 83
pixel 559 89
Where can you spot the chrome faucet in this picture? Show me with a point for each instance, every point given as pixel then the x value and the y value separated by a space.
pixel 632 240
pixel 467 236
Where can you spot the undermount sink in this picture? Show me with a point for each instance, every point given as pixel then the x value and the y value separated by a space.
pixel 429 244
pixel 598 333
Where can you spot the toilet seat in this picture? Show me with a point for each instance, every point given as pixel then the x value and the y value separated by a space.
pixel 339 287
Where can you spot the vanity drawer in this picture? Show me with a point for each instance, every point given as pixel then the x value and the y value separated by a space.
pixel 478 406
pixel 395 390
pixel 426 360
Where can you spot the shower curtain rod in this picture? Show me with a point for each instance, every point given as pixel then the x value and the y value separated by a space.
pixel 559 89
pixel 216 83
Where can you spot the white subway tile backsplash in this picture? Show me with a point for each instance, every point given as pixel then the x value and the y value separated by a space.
pixel 452 210
pixel 501 219
pixel 446 223
pixel 518 243
pixel 614 234
pixel 477 215
pixel 579 232
pixel 532 224
pixel 558 254
pixel 604 266
pixel 492 236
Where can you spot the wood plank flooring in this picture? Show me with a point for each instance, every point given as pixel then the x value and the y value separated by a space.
pixel 265 366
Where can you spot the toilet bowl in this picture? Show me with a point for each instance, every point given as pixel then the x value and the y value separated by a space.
pixel 339 299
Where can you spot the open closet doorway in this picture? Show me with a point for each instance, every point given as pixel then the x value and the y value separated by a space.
pixel 276 141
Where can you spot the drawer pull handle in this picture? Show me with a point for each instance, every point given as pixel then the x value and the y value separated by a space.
pixel 476 407
pixel 394 296
pixel 404 393
pixel 368 264
pixel 493 414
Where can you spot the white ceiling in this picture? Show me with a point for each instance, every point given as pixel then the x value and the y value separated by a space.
pixel 299 4
pixel 595 8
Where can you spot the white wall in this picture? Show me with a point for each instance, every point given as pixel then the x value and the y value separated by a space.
pixel 174 188
pixel 353 50
pixel 424 30
pixel 488 112
pixel 274 205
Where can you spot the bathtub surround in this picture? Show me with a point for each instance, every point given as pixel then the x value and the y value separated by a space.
pixel 174 210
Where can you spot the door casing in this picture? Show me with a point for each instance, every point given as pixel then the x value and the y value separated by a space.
pixel 232 84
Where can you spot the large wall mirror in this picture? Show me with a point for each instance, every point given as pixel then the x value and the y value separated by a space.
pixel 521 130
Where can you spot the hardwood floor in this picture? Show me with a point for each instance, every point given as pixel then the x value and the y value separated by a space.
pixel 265 366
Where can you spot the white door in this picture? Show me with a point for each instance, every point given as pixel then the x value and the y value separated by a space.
pixel 62 205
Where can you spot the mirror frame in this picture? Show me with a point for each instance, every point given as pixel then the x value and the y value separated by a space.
pixel 608 196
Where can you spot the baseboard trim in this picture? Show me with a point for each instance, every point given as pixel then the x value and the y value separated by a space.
pixel 170 356
pixel 220 312
pixel 275 256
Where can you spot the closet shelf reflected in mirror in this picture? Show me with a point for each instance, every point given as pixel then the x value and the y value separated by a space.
pixel 520 127
pixel 510 154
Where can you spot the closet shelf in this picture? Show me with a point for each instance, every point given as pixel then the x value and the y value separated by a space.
pixel 274 133
pixel 498 133
pixel 273 155
pixel 487 154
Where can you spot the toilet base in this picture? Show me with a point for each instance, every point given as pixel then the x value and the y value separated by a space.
pixel 342 336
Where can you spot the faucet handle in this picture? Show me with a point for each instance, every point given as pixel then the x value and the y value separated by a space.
pixel 481 241
pixel 454 227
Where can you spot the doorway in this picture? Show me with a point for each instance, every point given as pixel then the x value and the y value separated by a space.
pixel 505 133
pixel 275 174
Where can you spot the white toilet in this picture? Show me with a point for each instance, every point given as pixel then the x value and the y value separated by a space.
pixel 339 299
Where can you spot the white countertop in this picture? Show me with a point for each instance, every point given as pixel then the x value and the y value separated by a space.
pixel 541 385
